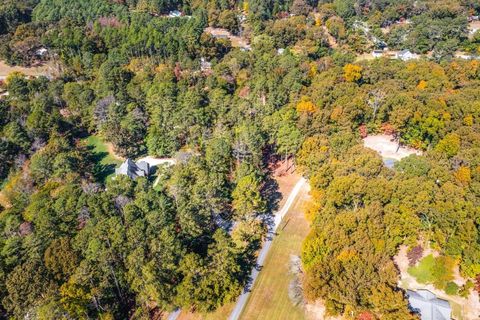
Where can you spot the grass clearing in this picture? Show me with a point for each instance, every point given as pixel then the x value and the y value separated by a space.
pixel 221 313
pixel 423 271
pixel 435 270
pixel 269 297
pixel 6 70
pixel 105 159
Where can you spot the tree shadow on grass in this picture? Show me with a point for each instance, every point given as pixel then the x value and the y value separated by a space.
pixel 100 170
pixel 271 194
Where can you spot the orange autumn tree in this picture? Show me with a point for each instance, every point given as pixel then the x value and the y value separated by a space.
pixel 463 175
pixel 422 85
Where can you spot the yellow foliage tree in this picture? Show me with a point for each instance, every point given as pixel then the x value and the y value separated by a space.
pixel 313 71
pixel 468 120
pixel 352 72
pixel 245 7
pixel 336 113
pixel 13 75
pixel 305 106
pixel 346 255
pixel 312 208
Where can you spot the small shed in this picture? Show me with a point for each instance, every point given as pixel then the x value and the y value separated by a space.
pixel 41 52
pixel 406 55
pixel 133 169
pixel 377 53
pixel 428 305
pixel 174 14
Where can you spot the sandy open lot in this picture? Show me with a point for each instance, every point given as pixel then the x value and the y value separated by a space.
pixel 5 70
pixel 388 147
pixel 237 41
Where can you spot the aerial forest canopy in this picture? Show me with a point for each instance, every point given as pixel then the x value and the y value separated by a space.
pixel 75 244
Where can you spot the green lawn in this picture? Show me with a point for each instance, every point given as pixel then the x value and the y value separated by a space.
pixel 106 161
pixel 423 272
pixel 435 270
pixel 221 313
pixel 269 297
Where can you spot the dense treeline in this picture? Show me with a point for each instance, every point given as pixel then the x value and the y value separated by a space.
pixel 362 211
pixel 74 248
pixel 73 245
pixel 437 28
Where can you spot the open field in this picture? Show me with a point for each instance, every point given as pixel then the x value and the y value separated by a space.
pixel 106 159
pixel 269 297
pixel 5 70
pixel 220 314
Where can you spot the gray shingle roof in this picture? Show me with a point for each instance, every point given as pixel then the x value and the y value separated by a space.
pixel 428 305
pixel 132 169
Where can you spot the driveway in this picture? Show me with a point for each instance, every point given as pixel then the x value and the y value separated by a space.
pixel 152 161
pixel 242 300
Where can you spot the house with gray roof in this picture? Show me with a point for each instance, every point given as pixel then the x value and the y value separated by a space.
pixel 133 169
pixel 406 55
pixel 428 305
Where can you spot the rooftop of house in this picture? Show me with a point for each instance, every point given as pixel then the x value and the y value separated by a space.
pixel 133 169
pixel 404 51
pixel 428 305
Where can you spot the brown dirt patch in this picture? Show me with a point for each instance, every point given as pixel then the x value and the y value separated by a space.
pixel 237 41
pixel 4 201
pixel 111 150
pixel 5 70
pixel 286 176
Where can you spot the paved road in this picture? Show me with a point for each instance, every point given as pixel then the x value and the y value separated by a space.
pixel 242 300
pixel 174 315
